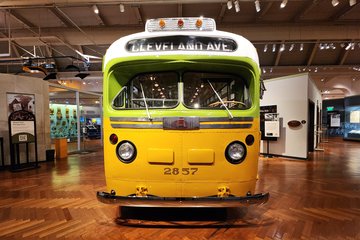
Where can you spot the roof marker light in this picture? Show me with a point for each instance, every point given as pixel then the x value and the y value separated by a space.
pixel 199 23
pixel 162 23
pixel 180 23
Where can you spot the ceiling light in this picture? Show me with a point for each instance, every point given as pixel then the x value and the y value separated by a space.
pixel 283 3
pixel 291 47
pixel 282 47
pixel 34 69
pixel 229 4
pixel 265 48
pixel 274 47
pixel 301 47
pixel 257 5
pixel 122 8
pixel 352 2
pixel 237 6
pixel 95 9
pixel 334 2
pixel 348 46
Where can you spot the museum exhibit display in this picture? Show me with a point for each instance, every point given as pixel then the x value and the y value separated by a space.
pixel 352 118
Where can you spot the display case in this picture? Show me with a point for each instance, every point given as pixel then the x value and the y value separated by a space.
pixel 352 118
pixel 63 121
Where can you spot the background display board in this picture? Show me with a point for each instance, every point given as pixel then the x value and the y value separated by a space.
pixel 20 101
pixel 22 127
pixel 335 120
pixel 272 125
pixel 270 129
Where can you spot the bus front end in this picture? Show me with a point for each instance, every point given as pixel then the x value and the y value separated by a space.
pixel 181 121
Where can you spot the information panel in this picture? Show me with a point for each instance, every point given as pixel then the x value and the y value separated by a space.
pixel 272 126
pixel 22 127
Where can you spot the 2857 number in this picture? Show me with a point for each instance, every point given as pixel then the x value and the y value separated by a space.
pixel 182 171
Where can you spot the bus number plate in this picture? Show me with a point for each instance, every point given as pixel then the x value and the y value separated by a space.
pixel 181 171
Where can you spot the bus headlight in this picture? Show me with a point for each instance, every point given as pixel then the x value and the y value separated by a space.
pixel 235 152
pixel 126 151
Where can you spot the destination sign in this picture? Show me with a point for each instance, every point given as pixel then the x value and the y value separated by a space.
pixel 182 43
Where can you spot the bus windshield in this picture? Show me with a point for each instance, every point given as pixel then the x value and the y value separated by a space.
pixel 149 90
pixel 215 90
pixel 201 90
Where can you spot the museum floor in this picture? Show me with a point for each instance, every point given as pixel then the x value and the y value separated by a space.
pixel 315 199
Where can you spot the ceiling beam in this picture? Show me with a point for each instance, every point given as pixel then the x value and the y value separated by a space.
pixel 313 53
pixel 15 50
pixel 263 12
pixel 278 55
pixel 307 6
pixel 221 13
pixel 99 17
pixel 18 17
pixel 69 21
pixel 138 14
pixel 179 10
pixel 342 12
pixel 344 54
pixel 22 3
pixel 61 17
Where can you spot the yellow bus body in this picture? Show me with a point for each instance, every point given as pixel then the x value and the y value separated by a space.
pixel 182 163
pixel 185 165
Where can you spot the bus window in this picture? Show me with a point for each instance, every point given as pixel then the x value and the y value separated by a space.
pixel 119 100
pixel 214 90
pixel 159 90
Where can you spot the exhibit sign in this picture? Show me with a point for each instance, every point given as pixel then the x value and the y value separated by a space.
pixel 267 127
pixel 335 120
pixel 272 125
pixel 22 127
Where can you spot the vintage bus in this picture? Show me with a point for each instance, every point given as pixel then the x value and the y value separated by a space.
pixel 181 117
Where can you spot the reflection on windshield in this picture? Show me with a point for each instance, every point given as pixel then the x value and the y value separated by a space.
pixel 214 90
pixel 150 90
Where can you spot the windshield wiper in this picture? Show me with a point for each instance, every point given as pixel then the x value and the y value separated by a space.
pixel 146 106
pixel 222 103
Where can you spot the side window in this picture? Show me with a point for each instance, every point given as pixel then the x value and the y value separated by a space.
pixel 119 100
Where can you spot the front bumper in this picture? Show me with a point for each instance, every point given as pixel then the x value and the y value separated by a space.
pixel 153 201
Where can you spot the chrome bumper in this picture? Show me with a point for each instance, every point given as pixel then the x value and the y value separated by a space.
pixel 153 201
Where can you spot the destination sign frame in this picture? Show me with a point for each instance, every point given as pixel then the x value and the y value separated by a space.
pixel 181 43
